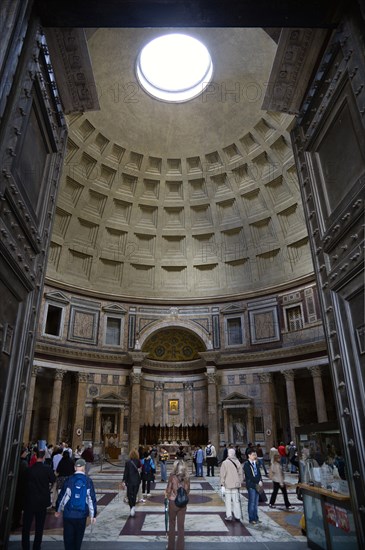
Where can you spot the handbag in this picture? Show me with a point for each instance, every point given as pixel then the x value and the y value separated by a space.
pixel 259 489
pixel 181 498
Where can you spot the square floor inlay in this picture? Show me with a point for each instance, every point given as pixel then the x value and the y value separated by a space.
pixel 193 522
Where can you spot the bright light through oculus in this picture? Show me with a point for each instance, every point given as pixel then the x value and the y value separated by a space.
pixel 174 67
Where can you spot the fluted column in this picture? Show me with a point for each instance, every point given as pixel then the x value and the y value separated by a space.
pixel 212 378
pixel 316 373
pixel 226 426
pixel 97 431
pixel 268 411
pixel 159 386
pixel 289 376
pixel 136 378
pixel 55 407
pixel 250 426
pixel 188 405
pixel 28 418
pixel 121 425
pixel 78 431
pixel 211 359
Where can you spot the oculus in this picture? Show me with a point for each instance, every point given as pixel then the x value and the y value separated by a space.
pixel 174 67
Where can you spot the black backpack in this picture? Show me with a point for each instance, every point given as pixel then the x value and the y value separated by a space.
pixel 182 498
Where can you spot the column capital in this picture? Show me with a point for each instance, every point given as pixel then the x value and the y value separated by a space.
pixel 82 377
pixel 315 371
pixel 188 385
pixel 35 370
pixel 59 374
pixel 159 385
pixel 135 376
pixel 289 375
pixel 265 378
pixel 212 377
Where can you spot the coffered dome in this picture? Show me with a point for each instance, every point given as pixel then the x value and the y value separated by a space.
pixel 180 201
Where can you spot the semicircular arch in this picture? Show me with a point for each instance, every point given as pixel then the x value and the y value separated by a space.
pixel 174 341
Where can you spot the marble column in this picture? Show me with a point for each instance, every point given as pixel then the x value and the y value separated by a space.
pixel 28 417
pixel 157 414
pixel 268 411
pixel 250 426
pixel 316 373
pixel 188 403
pixel 136 378
pixel 226 426
pixel 213 421
pixel 211 359
pixel 97 431
pixel 121 425
pixel 78 430
pixel 289 376
pixel 55 407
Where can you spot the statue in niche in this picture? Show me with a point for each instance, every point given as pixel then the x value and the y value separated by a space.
pixel 238 431
pixel 107 426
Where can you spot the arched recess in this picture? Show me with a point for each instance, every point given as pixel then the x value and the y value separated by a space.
pixel 171 343
pixel 178 325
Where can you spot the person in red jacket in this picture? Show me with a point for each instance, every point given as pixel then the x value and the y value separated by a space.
pixel 283 457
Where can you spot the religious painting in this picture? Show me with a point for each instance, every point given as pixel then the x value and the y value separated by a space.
pixel 173 406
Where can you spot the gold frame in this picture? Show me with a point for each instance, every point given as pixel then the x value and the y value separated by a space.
pixel 173 406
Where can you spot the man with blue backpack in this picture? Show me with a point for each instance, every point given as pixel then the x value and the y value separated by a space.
pixel 77 501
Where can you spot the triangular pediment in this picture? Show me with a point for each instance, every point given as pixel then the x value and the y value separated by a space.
pixel 110 397
pixel 236 397
pixel 115 308
pixel 233 308
pixel 57 296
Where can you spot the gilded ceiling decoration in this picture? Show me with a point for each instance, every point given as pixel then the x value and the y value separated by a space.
pixel 173 345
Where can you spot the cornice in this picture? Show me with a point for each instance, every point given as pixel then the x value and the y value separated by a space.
pixel 249 295
pixel 81 354
pixel 289 354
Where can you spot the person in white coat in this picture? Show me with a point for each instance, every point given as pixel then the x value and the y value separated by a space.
pixel 231 479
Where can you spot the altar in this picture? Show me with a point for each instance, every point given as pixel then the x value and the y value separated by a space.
pixel 111 446
pixel 173 436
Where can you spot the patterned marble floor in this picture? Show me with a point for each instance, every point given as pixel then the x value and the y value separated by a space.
pixel 204 520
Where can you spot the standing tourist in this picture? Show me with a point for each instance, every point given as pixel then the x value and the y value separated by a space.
pixel 179 477
pixel 211 458
pixel 77 501
pixel 291 454
pixel 282 453
pixel 163 457
pixel 180 453
pixel 231 479
pixel 277 477
pixel 132 479
pixel 253 484
pixel 260 457
pixel 148 474
pixel 36 501
pixel 88 456
pixel 199 461
pixel 65 469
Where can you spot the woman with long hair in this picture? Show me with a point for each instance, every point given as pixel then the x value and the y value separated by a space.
pixel 65 469
pixel 179 477
pixel 277 477
pixel 132 479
